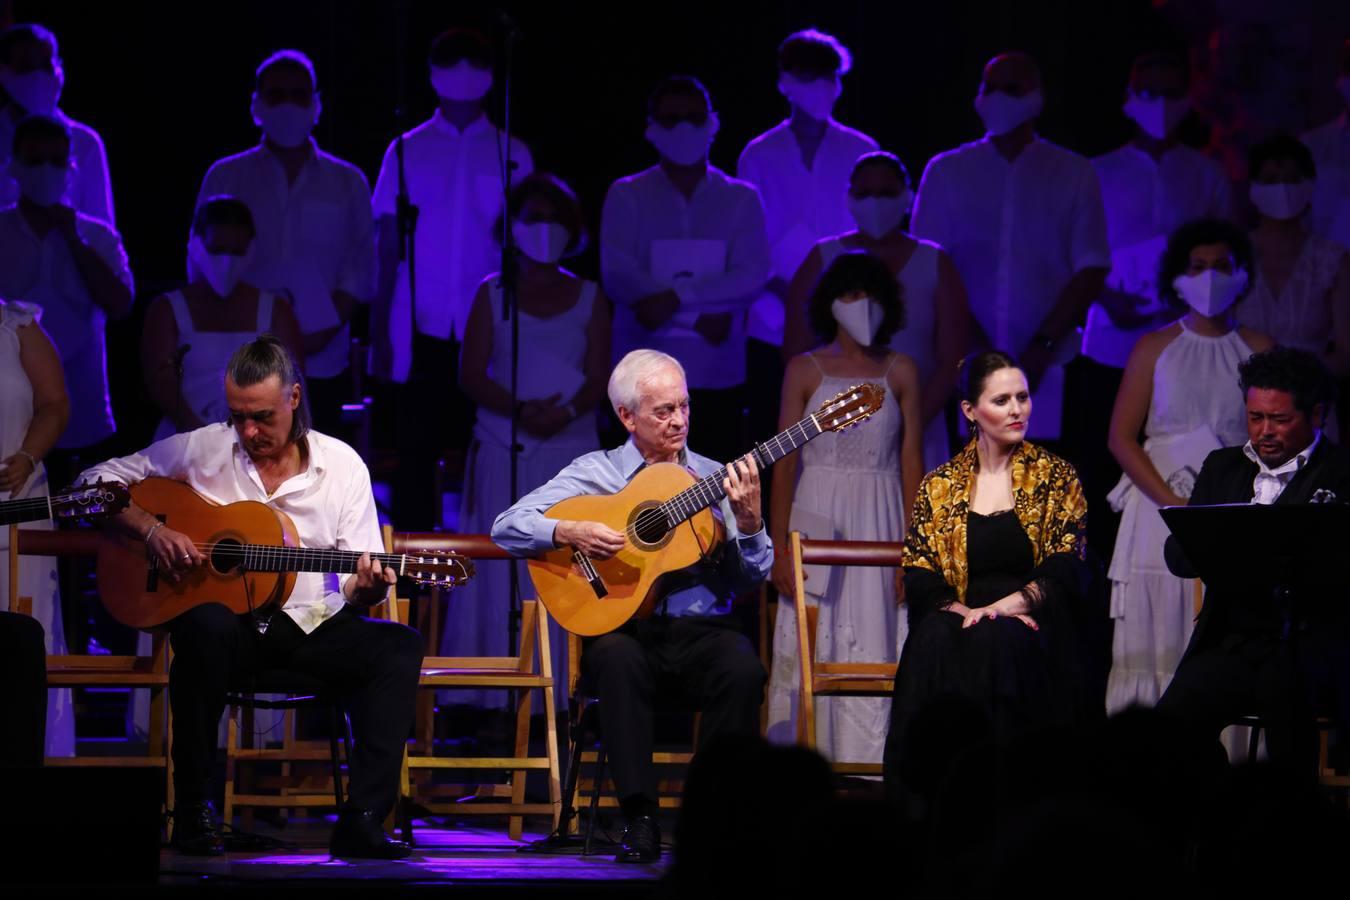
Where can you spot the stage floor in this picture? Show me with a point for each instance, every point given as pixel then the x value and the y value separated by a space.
pixel 458 857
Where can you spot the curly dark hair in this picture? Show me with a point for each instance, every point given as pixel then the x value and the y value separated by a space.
pixel 1176 259
pixel 1296 372
pixel 1278 148
pixel 857 270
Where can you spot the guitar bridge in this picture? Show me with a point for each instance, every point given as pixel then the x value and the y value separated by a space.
pixel 587 569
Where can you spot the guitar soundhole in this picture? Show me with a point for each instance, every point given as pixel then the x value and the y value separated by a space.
pixel 226 555
pixel 649 526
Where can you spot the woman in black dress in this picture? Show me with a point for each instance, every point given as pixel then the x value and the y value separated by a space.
pixel 993 565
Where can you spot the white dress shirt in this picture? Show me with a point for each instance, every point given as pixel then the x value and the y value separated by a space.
pixel 330 501
pixel 41 270
pixel 455 180
pixel 1145 200
pixel 1330 147
pixel 90 188
pixel 801 205
pixel 646 217
pixel 1270 483
pixel 314 237
pixel 1017 231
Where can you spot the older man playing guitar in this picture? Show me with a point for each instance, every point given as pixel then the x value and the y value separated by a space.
pixel 690 644
pixel 267 453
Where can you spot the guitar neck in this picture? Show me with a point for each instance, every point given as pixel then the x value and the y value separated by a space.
pixel 708 490
pixel 267 558
pixel 30 509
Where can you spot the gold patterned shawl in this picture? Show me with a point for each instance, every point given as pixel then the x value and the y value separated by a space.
pixel 1047 496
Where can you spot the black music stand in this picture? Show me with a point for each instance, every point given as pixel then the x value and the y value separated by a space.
pixel 1286 555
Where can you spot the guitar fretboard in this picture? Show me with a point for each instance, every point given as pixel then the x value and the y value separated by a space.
pixel 267 558
pixel 708 490
pixel 30 509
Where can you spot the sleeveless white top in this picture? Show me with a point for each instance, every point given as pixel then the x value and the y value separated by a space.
pixel 552 361
pixel 203 383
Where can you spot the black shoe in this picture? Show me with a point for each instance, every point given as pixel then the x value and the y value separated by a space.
pixel 359 835
pixel 641 841
pixel 194 830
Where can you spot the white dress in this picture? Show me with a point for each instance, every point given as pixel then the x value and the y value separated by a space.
pixel 37 574
pixel 552 361
pixel 1196 408
pixel 204 364
pixel 849 489
pixel 918 339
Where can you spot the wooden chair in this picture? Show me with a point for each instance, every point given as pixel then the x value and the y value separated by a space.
pixel 78 670
pixel 529 670
pixel 836 679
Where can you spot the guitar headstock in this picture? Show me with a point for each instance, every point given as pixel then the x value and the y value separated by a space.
pixel 443 570
pixel 848 408
pixel 91 501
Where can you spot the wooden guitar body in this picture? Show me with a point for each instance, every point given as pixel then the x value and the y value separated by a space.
pixel 629 577
pixel 136 593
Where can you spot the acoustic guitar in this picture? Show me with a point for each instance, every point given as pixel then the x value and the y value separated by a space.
pixel 88 501
pixel 665 518
pixel 252 556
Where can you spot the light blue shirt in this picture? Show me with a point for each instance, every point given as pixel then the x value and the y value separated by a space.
pixel 524 530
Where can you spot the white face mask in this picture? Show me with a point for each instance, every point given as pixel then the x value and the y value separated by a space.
pixel 1157 116
pixel 1283 200
pixel 43 184
pixel 1211 292
pixel 860 318
pixel 816 98
pixel 37 92
pixel 686 143
pixel 223 271
pixel 879 216
pixel 286 124
pixel 543 242
pixel 1001 112
pixel 461 82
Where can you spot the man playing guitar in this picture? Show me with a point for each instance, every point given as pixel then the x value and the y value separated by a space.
pixel 690 644
pixel 268 453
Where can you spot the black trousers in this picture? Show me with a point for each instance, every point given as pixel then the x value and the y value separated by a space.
pixel 1089 395
pixel 23 701
pixel 373 666
pixel 1284 683
pixel 701 660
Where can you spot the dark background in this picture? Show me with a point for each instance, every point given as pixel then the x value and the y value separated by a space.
pixel 168 86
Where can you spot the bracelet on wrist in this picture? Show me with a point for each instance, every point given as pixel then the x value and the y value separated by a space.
pixel 32 460
pixel 153 528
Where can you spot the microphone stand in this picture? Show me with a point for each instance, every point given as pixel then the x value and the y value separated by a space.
pixel 510 272
pixel 405 211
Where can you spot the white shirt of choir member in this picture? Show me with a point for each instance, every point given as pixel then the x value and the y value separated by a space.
pixel 90 189
pixel 1270 483
pixel 801 205
pixel 455 181
pixel 1017 231
pixel 1330 148
pixel 313 237
pixel 1145 201
pixel 42 271
pixel 330 501
pixel 716 238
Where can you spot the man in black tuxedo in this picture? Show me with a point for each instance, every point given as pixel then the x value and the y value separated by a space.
pixel 1237 662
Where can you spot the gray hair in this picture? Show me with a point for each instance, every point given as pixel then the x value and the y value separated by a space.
pixel 634 368
pixel 259 360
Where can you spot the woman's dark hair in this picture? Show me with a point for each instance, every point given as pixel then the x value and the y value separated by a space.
pixel 556 191
pixel 677 86
pixel 222 209
pixel 451 47
pixel 814 53
pixel 39 127
pixel 1176 259
pixel 973 371
pixel 1279 148
pixel 259 360
pixel 885 160
pixel 857 271
pixel 26 33
pixel 1296 372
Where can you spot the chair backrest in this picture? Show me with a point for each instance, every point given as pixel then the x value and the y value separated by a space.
pixel 41 542
pixel 830 553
